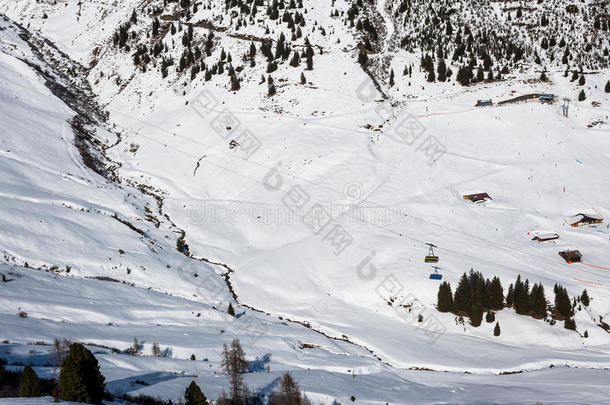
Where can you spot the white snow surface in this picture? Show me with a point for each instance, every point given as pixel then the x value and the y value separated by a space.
pixel 338 145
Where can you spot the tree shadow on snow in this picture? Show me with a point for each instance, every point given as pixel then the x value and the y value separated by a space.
pixel 133 383
pixel 259 364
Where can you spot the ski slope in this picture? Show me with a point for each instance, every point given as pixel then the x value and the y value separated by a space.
pixel 334 148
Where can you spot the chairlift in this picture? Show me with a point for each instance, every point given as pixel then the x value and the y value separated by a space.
pixel 436 275
pixel 431 257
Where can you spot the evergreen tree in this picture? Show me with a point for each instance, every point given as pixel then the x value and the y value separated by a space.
pixel 193 357
pixel 521 296
pixel 270 87
pixel 464 75
pixel 303 80
pixel 581 80
pixel 427 63
pixel 445 298
pixel 463 293
pixel 80 379
pixel 391 77
pixel 234 87
pixel 562 302
pixel 476 314
pixel 496 293
pixel 230 310
pixel 309 56
pixel 486 297
pixel 538 301
pixel 490 317
pixel 271 67
pixel 607 88
pixel 295 59
pixel 477 283
pixel 29 386
pixel 155 26
pixel 497 329
pixel 582 96
pixel 441 69
pixel 584 298
pixel 4 280
pixel 194 396
pixel 569 324
pixel 543 77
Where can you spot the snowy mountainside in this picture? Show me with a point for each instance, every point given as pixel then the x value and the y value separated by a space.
pixel 49 193
pixel 242 171
pixel 50 198
pixel 106 316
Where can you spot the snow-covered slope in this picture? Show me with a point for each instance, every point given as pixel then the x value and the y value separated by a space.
pixel 320 200
pixel 105 313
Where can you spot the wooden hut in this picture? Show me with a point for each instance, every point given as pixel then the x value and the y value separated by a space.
pixel 584 220
pixel 477 198
pixel 546 237
pixel 571 256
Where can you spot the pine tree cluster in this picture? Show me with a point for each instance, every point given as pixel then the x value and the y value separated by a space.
pixel 476 295
pixel 473 296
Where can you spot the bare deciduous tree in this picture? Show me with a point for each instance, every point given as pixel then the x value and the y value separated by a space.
pixel 234 364
pixel 156 350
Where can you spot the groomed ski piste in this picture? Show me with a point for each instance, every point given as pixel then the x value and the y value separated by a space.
pixel 389 173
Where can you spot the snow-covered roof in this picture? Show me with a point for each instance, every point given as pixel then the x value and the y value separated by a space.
pixel 545 236
pixel 580 216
